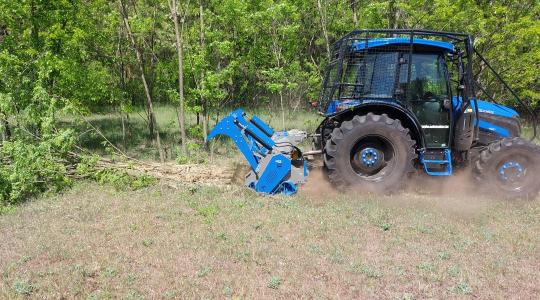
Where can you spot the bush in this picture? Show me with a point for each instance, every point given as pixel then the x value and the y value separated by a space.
pixel 196 154
pixel 195 132
pixel 30 168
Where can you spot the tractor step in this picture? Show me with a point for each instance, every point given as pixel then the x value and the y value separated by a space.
pixel 437 162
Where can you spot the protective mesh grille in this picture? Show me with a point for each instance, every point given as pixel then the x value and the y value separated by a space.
pixel 365 66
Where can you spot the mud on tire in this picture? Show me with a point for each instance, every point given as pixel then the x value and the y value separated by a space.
pixel 509 168
pixel 386 144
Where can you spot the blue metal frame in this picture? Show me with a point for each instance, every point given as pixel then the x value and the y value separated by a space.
pixel 372 43
pixel 446 161
pixel 254 139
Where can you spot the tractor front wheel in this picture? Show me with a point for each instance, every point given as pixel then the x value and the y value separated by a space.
pixel 509 168
pixel 373 152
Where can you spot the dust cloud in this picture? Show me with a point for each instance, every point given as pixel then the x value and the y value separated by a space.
pixel 317 188
pixel 458 194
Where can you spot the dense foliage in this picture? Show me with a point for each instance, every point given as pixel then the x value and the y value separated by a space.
pixel 76 57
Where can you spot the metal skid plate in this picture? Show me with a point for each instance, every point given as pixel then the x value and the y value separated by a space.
pixel 269 153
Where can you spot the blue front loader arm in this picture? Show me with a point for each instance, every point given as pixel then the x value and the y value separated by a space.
pixel 271 164
pixel 238 129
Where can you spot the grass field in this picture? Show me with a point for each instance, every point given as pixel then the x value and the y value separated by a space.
pixel 226 242
pixel 201 241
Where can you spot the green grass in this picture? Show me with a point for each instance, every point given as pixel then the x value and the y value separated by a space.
pixel 203 241
pixel 527 132
pixel 138 143
pixel 228 242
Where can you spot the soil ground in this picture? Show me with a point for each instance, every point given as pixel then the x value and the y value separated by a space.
pixel 223 241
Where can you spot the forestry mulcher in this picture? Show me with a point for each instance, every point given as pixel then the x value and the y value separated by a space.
pixel 394 102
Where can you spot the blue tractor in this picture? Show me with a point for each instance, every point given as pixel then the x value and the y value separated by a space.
pixel 394 102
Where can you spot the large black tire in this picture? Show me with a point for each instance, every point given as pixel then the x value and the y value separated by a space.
pixel 343 154
pixel 509 168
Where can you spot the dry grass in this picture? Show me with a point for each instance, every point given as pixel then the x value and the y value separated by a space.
pixel 220 242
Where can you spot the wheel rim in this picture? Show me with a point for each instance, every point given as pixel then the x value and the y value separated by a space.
pixel 369 157
pixel 372 157
pixel 513 174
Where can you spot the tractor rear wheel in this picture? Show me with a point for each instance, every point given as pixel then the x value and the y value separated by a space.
pixel 509 168
pixel 373 152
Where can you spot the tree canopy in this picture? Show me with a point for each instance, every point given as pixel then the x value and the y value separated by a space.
pixel 77 56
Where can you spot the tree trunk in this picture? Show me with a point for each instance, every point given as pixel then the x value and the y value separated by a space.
pixel 34 30
pixel 121 71
pixel 123 131
pixel 173 5
pixel 322 15
pixel 152 116
pixel 203 47
pixel 393 14
pixel 354 14
pixel 282 109
pixel 6 132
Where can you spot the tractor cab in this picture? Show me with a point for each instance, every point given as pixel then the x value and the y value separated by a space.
pixel 397 71
pixel 408 75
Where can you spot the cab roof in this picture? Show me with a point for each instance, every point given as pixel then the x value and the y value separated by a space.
pixel 372 43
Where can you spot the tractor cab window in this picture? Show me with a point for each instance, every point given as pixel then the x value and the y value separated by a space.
pixel 369 76
pixel 428 78
pixel 361 76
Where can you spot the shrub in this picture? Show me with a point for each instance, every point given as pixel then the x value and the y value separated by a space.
pixel 29 168
pixel 196 155
pixel 195 132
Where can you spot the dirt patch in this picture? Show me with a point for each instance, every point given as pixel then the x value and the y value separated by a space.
pixel 317 187
pixel 216 174
pixel 460 183
pixel 459 194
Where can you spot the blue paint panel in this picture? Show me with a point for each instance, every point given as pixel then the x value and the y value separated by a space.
pixel 274 174
pixel 495 109
pixel 487 107
pixel 357 46
pixel 332 107
pixel 501 131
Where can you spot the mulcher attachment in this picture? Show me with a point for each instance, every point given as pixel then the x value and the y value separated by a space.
pixel 277 165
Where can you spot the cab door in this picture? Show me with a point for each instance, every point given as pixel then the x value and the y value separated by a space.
pixel 428 96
